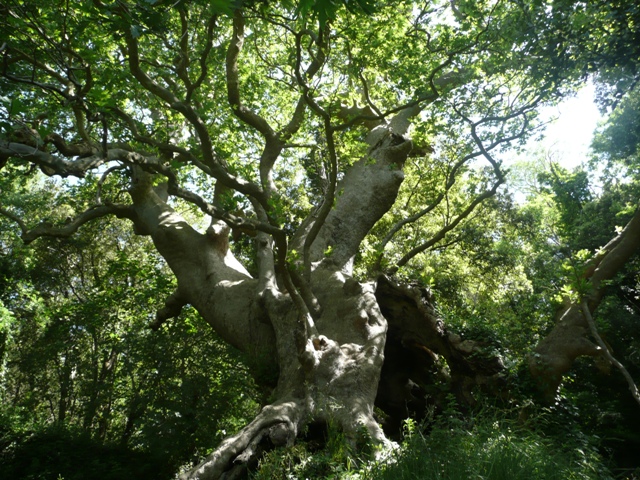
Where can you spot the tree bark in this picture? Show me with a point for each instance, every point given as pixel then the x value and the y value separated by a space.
pixel 570 338
pixel 332 374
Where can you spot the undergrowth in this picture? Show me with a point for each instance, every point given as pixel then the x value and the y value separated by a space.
pixel 453 448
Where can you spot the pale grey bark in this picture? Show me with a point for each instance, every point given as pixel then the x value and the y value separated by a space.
pixel 365 194
pixel 334 380
pixel 331 371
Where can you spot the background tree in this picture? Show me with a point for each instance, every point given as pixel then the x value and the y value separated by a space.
pixel 598 39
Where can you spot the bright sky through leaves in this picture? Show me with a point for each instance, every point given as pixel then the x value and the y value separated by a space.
pixel 569 136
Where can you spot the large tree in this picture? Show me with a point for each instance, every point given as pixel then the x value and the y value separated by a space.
pixel 288 128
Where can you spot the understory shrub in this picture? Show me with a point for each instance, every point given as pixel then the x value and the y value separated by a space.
pixel 453 448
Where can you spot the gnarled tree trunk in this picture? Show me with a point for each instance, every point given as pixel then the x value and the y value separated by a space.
pixel 330 360
pixel 329 365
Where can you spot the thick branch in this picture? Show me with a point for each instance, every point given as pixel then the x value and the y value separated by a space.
pixel 569 339
pixel 51 164
pixel 287 414
pixel 183 154
pixel 417 337
pixel 403 113
pixel 82 149
pixel 370 188
pixel 172 308
pixel 617 252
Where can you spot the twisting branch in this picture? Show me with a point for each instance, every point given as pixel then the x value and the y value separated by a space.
pixel 20 55
pixel 436 82
pixel 607 353
pixel 451 180
pixel 167 96
pixel 234 221
pixel 447 228
pixel 316 64
pixel 215 165
pixel 327 202
pixel 184 61
pixel 23 226
pixel 46 229
pixel 365 94
pixel 245 114
pixel 283 135
pixel 295 123
pixel 172 307
pixel 103 178
pixel 204 58
pixel 304 301
pixel 404 112
pixel 70 91
pixel 47 87
pixel 485 152
pixel 80 149
pixel 184 155
pixel 50 164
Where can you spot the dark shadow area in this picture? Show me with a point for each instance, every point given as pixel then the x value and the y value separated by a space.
pixel 54 453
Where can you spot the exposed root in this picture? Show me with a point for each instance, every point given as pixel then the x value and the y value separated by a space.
pixel 279 423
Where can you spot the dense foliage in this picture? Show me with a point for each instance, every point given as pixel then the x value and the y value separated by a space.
pixel 249 119
pixel 81 368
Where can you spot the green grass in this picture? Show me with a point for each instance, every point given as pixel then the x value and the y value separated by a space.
pixel 491 451
pixel 453 449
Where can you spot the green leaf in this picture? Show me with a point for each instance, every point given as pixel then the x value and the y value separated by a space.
pixel 136 31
